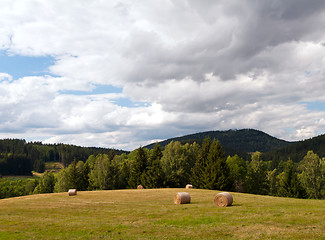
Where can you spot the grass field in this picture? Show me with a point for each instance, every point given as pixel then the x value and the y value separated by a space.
pixel 151 214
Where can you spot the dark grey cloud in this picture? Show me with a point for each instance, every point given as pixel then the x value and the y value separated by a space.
pixel 221 37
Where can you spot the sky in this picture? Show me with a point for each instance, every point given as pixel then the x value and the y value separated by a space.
pixel 123 74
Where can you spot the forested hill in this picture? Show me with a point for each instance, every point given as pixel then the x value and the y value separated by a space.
pixel 244 140
pixel 297 151
pixel 18 157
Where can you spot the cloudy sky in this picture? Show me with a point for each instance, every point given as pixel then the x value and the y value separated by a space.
pixel 124 73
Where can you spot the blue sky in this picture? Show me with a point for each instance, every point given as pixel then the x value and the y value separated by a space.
pixel 21 66
pixel 123 74
pixel 316 106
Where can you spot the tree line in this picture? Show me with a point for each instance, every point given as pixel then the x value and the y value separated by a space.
pixel 204 166
pixel 296 151
pixel 17 157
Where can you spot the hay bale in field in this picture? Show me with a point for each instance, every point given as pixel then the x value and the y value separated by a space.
pixel 182 198
pixel 223 199
pixel 189 186
pixel 140 187
pixel 72 192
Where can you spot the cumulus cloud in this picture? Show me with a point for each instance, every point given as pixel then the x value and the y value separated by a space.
pixel 5 77
pixel 198 66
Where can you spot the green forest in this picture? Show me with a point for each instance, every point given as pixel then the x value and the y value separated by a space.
pixel 204 165
pixel 17 157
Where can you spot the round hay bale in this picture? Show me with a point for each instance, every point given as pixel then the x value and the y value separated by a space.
pixel 140 187
pixel 223 199
pixel 72 192
pixel 189 186
pixel 182 198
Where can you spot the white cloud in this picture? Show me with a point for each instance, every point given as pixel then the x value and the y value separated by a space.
pixel 199 66
pixel 5 77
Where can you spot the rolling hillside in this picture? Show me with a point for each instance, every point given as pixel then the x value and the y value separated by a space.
pixel 151 214
pixel 244 140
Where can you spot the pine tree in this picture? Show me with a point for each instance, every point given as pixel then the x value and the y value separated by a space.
pixel 216 171
pixel 83 176
pixel 73 175
pixel 153 177
pixel 200 164
pixel 123 173
pixel 211 170
pixel 138 167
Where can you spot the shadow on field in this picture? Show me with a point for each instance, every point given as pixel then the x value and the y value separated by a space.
pixel 235 205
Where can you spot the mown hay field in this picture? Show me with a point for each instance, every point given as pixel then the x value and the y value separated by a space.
pixel 152 214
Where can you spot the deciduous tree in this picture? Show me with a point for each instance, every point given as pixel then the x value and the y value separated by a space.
pixel 237 167
pixel 289 184
pixel 256 179
pixel 312 175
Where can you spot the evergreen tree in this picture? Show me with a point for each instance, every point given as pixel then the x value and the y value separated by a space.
pixel 216 172
pixel 153 177
pixel 73 175
pixel 123 174
pixel 83 171
pixel 155 154
pixel 289 184
pixel 138 166
pixel 39 166
pixel 200 164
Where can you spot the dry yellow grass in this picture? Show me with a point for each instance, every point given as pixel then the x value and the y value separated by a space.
pixel 152 214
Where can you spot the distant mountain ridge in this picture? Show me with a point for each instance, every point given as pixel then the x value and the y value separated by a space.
pixel 243 140
pixel 298 150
